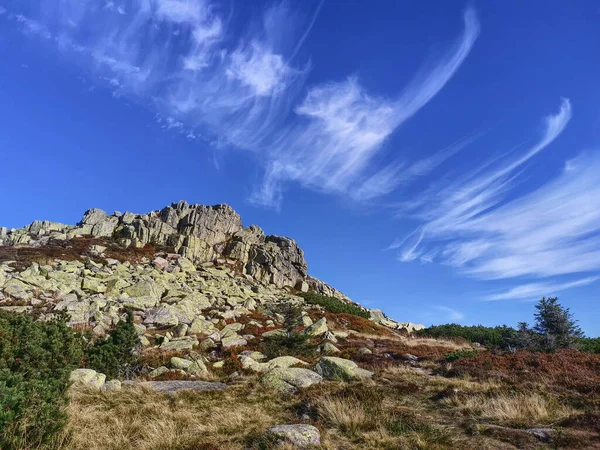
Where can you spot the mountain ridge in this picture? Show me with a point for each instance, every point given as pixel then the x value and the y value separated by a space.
pixel 203 235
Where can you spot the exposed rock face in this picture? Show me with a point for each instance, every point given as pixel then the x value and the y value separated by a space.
pixel 377 316
pixel 210 263
pixel 197 232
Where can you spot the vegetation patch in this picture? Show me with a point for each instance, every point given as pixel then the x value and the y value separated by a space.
pixel 333 304
pixel 36 359
pixel 463 353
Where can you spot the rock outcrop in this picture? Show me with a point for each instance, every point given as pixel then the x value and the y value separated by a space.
pixel 208 267
pixel 199 233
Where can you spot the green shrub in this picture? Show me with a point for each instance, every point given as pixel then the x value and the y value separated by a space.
pixel 116 355
pixel 502 336
pixel 36 359
pixel 333 305
pixel 589 345
pixel 291 342
pixel 464 353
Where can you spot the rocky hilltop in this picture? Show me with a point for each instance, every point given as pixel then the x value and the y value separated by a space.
pixel 202 258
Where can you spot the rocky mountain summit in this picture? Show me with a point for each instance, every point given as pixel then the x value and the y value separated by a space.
pixel 205 260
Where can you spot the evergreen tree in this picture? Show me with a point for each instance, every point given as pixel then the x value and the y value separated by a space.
pixel 555 325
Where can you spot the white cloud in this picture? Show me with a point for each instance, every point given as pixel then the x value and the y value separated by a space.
pixel 481 225
pixel 340 127
pixel 259 68
pixel 451 314
pixel 243 89
pixel 33 27
pixel 533 291
pixel 181 11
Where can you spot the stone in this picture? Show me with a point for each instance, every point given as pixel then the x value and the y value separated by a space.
pixel 306 321
pixel 162 317
pixel 93 285
pixel 184 343
pixel 289 380
pixel 329 336
pixel 170 387
pixel 329 349
pixel 158 372
pixel 17 289
pixel 299 435
pixel 302 286
pixel 140 303
pixel 180 363
pixel 186 265
pixel 333 368
pixel 88 377
pixel 256 356
pixel 317 328
pixel 364 351
pixel 180 330
pixel 207 344
pixel 160 263
pixel 277 332
pixel 233 340
pixel 377 316
pixel 145 288
pixel 112 385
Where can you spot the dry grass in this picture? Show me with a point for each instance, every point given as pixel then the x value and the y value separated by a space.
pixel 347 415
pixel 138 418
pixel 516 409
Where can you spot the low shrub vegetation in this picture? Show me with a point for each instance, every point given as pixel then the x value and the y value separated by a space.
pixel 463 353
pixel 116 354
pixel 36 359
pixel 502 336
pixel 291 341
pixel 333 304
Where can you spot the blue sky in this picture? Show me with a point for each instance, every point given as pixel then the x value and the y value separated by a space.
pixel 438 160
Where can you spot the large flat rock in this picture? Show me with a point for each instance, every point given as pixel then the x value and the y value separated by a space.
pixel 171 386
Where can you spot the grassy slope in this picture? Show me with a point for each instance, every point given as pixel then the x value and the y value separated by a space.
pixel 433 406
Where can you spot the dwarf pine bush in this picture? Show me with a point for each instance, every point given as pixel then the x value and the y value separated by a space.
pixel 36 359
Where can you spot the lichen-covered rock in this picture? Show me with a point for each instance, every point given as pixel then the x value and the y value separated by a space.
pixel 289 380
pixel 183 343
pixel 202 326
pixel 180 363
pixel 334 368
pixel 299 435
pixel 317 328
pixel 329 349
pixel 377 316
pixel 88 377
pixel 161 316
pixel 112 385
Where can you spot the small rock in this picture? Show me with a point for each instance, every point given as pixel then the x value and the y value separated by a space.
pixel 158 372
pixel 180 363
pixel 317 328
pixel 332 368
pixel 299 435
pixel 289 380
pixel 112 385
pixel 160 263
pixel 329 349
pixel 88 377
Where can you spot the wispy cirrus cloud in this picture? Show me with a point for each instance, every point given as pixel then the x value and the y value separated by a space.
pixel 244 89
pixel 340 127
pixel 533 291
pixel 481 225
pixel 452 314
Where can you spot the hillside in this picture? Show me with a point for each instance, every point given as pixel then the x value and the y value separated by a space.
pixel 187 330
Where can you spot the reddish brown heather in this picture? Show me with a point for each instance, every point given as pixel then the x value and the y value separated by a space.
pixel 564 370
pixel 72 250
